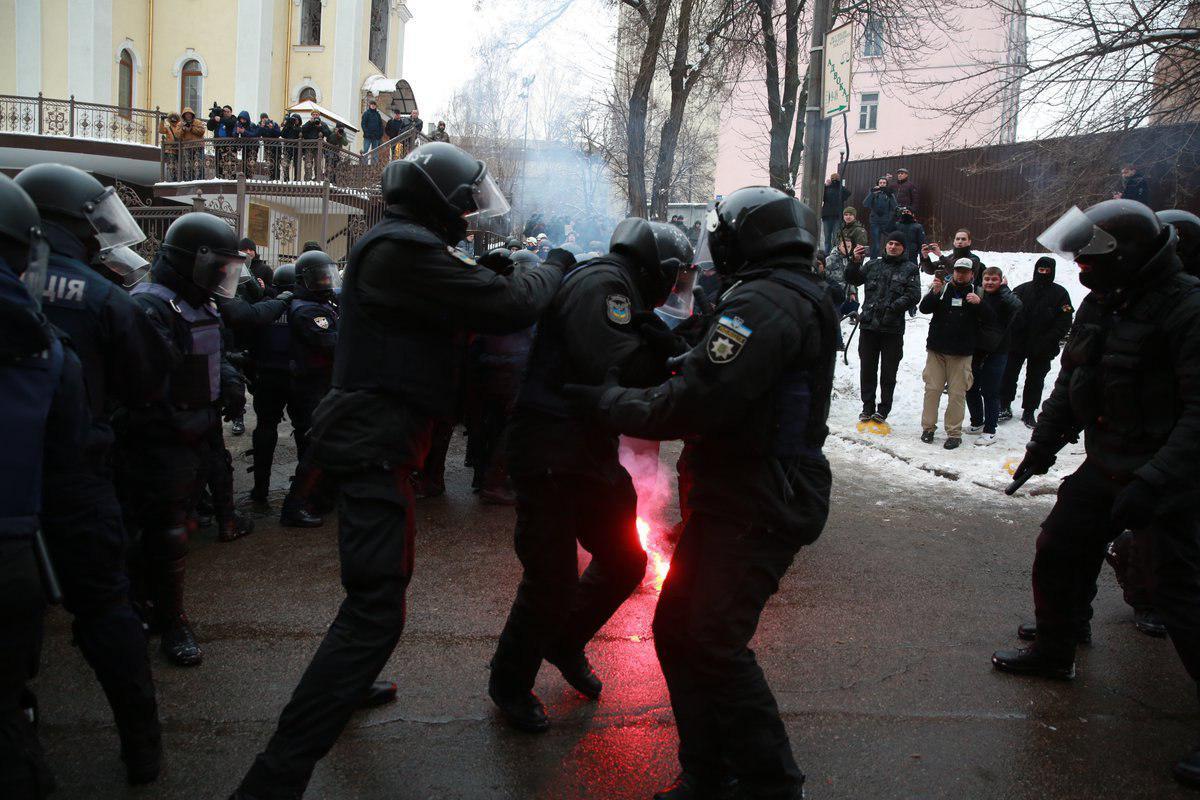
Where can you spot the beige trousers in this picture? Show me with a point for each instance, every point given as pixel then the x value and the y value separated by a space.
pixel 942 371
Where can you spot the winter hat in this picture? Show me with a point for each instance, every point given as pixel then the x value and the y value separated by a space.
pixel 902 169
pixel 896 236
pixel 850 210
pixel 247 244
pixel 965 263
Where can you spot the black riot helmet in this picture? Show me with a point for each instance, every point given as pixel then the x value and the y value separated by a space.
pixel 22 246
pixel 443 185
pixel 317 273
pixel 757 223
pixel 284 278
pixel 1110 241
pixel 1187 228
pixel 203 249
pixel 675 259
pixel 634 240
pixel 75 200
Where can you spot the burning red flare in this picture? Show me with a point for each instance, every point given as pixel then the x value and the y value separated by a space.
pixel 660 562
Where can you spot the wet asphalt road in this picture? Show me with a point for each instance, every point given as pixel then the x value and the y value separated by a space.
pixel 877 646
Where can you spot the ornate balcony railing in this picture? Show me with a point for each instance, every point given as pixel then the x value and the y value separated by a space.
pixel 287 160
pixel 48 116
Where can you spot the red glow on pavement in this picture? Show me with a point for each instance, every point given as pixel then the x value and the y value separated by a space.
pixel 660 562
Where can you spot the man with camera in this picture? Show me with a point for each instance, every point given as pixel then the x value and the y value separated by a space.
pixel 957 311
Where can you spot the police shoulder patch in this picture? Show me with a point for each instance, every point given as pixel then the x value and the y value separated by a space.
pixel 617 308
pixel 727 340
pixel 322 322
pixel 461 256
pixel 1067 308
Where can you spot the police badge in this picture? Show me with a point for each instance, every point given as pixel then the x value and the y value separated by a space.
pixel 618 309
pixel 727 340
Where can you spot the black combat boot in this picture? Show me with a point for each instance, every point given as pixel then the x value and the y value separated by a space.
pixel 579 673
pixel 1148 621
pixel 521 708
pixel 235 527
pixel 1040 659
pixel 1027 632
pixel 178 639
pixel 380 694
pixel 239 426
pixel 141 749
pixel 690 787
pixel 295 512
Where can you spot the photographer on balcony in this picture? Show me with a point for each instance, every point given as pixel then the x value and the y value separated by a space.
pixel 191 157
pixel 313 131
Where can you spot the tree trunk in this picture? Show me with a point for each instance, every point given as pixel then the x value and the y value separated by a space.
pixel 660 195
pixel 781 99
pixel 639 104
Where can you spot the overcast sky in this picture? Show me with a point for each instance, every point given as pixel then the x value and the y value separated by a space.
pixel 443 34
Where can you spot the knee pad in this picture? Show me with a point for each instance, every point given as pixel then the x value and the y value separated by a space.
pixel 168 544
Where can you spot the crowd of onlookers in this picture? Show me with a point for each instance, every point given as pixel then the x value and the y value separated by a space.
pixel 298 149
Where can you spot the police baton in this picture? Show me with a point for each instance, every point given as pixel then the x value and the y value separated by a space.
pixel 1018 482
pixel 46 568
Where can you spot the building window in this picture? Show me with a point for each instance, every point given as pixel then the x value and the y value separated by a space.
pixel 377 51
pixel 873 37
pixel 191 86
pixel 403 98
pixel 125 84
pixel 307 93
pixel 868 111
pixel 310 23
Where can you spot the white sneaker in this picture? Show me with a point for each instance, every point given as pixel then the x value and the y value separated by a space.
pixel 974 429
pixel 985 439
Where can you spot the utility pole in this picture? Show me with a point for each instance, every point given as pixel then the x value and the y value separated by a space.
pixel 816 129
pixel 526 82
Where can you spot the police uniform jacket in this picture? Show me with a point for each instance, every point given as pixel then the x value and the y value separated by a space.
pixel 406 298
pixel 752 398
pixel 1130 380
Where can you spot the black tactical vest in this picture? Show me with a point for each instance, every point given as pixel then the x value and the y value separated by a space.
pixel 197 381
pixel 307 360
pixel 415 361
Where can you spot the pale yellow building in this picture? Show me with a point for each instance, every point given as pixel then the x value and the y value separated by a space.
pixel 256 55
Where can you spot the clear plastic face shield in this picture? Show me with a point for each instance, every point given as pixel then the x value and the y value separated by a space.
pixel 125 264
pixel 114 225
pixel 489 200
pixel 218 273
pixel 681 301
pixel 324 278
pixel 1074 235
pixel 37 267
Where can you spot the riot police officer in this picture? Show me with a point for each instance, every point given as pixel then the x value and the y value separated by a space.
pixel 123 358
pixel 271 352
pixel 569 481
pixel 1128 382
pixel 392 379
pixel 43 419
pixel 752 398
pixel 168 451
pixel 1187 228
pixel 313 325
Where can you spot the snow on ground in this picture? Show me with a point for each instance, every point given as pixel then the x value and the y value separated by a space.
pixel 902 455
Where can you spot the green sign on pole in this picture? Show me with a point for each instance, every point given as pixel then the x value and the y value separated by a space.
pixel 839 60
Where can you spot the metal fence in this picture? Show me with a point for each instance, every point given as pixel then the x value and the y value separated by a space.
pixel 280 160
pixel 155 219
pixel 47 116
pixel 1007 194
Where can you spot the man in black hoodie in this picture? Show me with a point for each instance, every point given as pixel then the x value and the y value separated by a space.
pixel 1043 322
pixel 991 353
pixel 892 286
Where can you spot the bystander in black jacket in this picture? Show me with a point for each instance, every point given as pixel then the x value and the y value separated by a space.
pixel 892 286
pixel 995 321
pixel 955 327
pixel 1045 315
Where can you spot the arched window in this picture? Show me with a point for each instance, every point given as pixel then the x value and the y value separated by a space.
pixel 191 81
pixel 125 84
pixel 310 23
pixel 307 93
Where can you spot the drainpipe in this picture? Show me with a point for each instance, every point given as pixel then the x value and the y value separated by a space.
pixel 287 61
pixel 149 52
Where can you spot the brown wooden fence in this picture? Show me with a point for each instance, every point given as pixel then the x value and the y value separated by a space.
pixel 1007 194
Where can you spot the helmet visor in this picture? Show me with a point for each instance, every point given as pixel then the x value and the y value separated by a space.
pixel 37 268
pixel 217 272
pixel 323 278
pixel 680 302
pixel 1073 235
pixel 125 264
pixel 114 225
pixel 489 200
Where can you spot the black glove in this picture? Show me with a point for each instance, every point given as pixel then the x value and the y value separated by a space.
pixel 1038 461
pixel 286 297
pixel 1136 505
pixel 497 262
pixel 585 398
pixel 703 306
pixel 561 258
pixel 662 342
